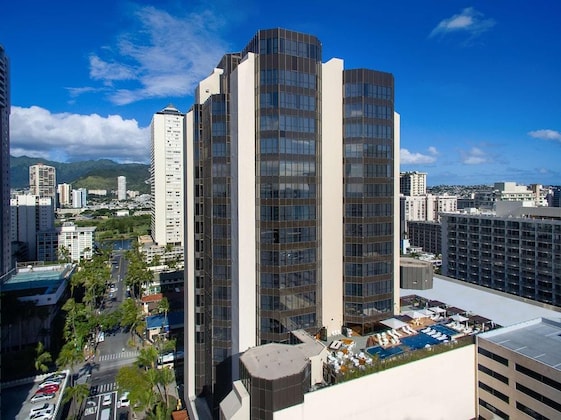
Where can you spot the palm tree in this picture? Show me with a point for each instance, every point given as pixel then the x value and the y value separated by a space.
pixel 78 393
pixel 148 357
pixel 42 358
pixel 69 355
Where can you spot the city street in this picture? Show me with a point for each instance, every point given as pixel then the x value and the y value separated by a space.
pixel 111 354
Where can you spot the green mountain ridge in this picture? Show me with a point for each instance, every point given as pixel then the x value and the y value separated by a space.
pixel 90 174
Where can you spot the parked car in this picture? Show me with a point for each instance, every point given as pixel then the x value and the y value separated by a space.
pixel 41 416
pixel 49 383
pixel 41 396
pixel 49 389
pixel 47 408
pixel 56 376
pixel 124 400
pixel 106 399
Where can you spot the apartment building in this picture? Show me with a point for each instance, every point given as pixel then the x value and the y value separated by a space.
pixel 427 235
pixel 519 371
pixel 64 192
pixel 42 181
pixel 291 169
pixel 121 188
pixel 29 215
pixel 517 250
pixel 5 236
pixel 413 183
pixel 79 198
pixel 166 176
pixel 75 241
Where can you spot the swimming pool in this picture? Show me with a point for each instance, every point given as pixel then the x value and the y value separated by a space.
pixel 384 353
pixel 444 330
pixel 419 341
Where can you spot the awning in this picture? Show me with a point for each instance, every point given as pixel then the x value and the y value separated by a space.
pixel 415 314
pixel 437 310
pixel 459 318
pixel 393 323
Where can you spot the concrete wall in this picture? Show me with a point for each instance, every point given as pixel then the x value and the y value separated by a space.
pixel 437 387
pixel 244 234
pixel 332 197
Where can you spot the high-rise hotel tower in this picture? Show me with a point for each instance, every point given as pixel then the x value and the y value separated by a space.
pixel 291 174
pixel 5 238
pixel 166 176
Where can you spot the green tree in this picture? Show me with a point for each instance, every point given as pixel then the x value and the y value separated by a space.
pixel 131 315
pixel 42 358
pixel 148 357
pixel 138 274
pixel 70 355
pixel 78 393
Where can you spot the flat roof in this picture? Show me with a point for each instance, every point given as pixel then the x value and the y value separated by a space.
pixel 276 360
pixel 502 308
pixel 37 280
pixel 539 339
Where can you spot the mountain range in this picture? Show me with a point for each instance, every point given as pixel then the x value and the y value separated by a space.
pixel 90 174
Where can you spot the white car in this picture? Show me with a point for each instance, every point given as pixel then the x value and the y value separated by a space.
pixel 49 383
pixel 124 401
pixel 44 408
pixel 41 416
pixel 41 397
pixel 107 399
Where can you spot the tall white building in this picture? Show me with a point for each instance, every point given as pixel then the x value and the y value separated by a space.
pixel 166 176
pixel 29 215
pixel 79 198
pixel 413 183
pixel 121 188
pixel 76 240
pixel 42 181
pixel 64 194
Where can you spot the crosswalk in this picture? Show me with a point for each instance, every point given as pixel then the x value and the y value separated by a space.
pixel 129 354
pixel 103 388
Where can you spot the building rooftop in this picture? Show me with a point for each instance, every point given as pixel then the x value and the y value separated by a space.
pixel 275 360
pixel 504 309
pixel 37 280
pixel 538 339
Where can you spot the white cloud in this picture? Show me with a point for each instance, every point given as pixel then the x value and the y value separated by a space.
pixel 36 132
pixel 468 21
pixel 474 156
pixel 546 135
pixel 163 55
pixel 408 158
pixel 432 150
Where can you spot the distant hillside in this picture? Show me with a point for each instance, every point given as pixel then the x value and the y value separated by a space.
pixel 90 174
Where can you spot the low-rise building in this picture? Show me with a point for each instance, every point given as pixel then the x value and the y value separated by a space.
pixel 519 371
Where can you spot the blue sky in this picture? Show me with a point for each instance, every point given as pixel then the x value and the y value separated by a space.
pixel 478 84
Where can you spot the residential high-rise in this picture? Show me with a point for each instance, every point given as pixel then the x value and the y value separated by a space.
pixel 42 181
pixel 291 172
pixel 5 236
pixel 64 194
pixel 75 242
pixel 29 215
pixel 413 183
pixel 517 250
pixel 121 188
pixel 166 177
pixel 79 198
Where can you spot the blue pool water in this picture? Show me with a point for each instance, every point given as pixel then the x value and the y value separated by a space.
pixel 444 330
pixel 384 353
pixel 419 341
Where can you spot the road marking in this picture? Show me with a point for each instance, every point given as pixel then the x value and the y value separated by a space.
pixel 121 355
